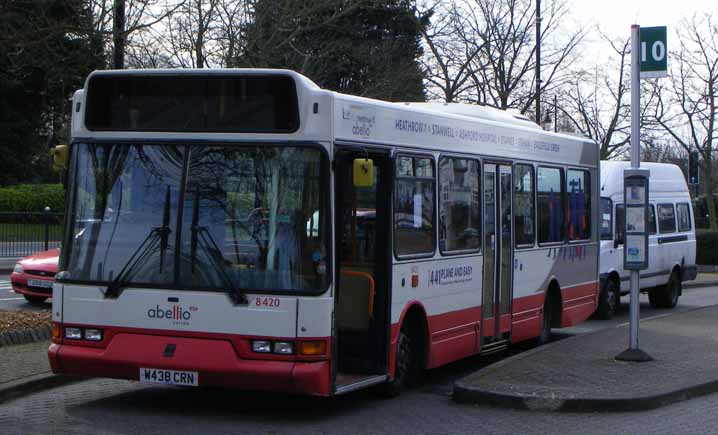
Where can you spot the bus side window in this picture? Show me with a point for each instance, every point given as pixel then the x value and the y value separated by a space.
pixel 524 199
pixel 459 211
pixel 550 205
pixel 620 223
pixel 578 188
pixel 414 206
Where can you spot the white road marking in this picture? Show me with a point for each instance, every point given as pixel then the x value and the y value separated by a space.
pixel 11 299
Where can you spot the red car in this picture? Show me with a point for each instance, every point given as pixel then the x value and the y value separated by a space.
pixel 33 276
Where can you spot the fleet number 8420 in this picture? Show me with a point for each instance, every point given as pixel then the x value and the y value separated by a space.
pixel 267 302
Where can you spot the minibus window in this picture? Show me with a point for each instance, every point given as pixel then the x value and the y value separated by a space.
pixel 606 219
pixel 684 217
pixel 666 218
pixel 651 219
pixel 620 223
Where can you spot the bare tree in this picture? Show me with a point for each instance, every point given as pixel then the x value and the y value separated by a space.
pixel 450 58
pixel 597 102
pixel 503 74
pixel 118 20
pixel 688 113
pixel 233 16
pixel 189 37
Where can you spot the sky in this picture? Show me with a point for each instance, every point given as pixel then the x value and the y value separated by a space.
pixel 616 16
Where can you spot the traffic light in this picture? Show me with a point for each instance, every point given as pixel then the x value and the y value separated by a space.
pixel 693 157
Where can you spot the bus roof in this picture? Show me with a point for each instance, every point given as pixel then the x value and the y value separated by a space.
pixel 330 116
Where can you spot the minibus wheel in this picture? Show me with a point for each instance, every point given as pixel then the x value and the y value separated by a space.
pixel 666 296
pixel 608 300
pixel 673 290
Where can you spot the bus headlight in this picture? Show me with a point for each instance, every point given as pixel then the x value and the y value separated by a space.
pixel 73 333
pixel 283 347
pixel 93 334
pixel 261 346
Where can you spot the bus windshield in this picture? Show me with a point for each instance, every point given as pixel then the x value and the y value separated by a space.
pixel 200 217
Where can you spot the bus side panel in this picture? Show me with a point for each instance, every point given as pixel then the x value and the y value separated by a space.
pixel 577 276
pixel 449 290
pixel 532 269
pixel 574 269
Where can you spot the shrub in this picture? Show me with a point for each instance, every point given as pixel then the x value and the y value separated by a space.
pixel 32 198
pixel 706 247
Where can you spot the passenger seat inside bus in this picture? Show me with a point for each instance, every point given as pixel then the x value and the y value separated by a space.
pixel 356 300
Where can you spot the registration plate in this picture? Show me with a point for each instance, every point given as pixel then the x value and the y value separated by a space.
pixel 39 283
pixel 168 377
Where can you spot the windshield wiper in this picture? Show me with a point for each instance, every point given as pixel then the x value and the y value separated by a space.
pixel 157 236
pixel 141 254
pixel 211 250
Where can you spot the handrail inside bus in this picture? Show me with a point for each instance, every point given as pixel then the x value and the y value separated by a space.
pixel 371 286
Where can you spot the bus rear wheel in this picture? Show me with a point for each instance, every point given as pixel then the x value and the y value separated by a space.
pixel 546 320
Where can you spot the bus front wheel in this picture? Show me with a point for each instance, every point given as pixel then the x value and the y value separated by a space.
pixel 406 365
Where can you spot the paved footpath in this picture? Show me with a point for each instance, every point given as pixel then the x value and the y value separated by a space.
pixel 581 374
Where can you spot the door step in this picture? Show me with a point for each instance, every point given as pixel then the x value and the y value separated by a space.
pixel 347 382
pixel 493 347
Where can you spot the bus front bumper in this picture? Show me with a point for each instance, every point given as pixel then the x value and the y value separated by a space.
pixel 215 362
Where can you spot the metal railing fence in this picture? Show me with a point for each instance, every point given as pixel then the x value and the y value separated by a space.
pixel 23 234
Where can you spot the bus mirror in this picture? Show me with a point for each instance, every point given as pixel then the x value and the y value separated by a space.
pixel 59 157
pixel 363 172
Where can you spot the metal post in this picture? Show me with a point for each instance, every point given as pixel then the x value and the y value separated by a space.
pixel 47 228
pixel 633 353
pixel 635 164
pixel 538 62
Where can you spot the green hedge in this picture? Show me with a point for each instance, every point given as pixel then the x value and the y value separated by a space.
pixel 32 198
pixel 707 247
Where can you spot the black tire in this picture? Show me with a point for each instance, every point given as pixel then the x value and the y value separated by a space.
pixel 546 320
pixel 672 290
pixel 407 369
pixel 608 300
pixel 35 300
pixel 666 296
pixel 655 298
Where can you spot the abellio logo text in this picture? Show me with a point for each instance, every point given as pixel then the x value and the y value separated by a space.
pixel 178 314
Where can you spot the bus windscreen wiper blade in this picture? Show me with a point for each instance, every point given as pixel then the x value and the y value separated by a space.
pixel 157 236
pixel 211 250
pixel 141 254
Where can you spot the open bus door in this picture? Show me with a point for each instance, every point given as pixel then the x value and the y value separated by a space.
pixel 361 315
pixel 498 256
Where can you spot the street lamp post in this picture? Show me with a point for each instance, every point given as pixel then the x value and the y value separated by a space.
pixel 538 62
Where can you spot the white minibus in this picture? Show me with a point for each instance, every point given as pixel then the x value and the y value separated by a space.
pixel 672 240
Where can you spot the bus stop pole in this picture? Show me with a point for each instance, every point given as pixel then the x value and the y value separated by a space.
pixel 635 164
pixel 634 353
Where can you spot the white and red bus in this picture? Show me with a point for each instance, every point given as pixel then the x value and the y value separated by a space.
pixel 246 228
